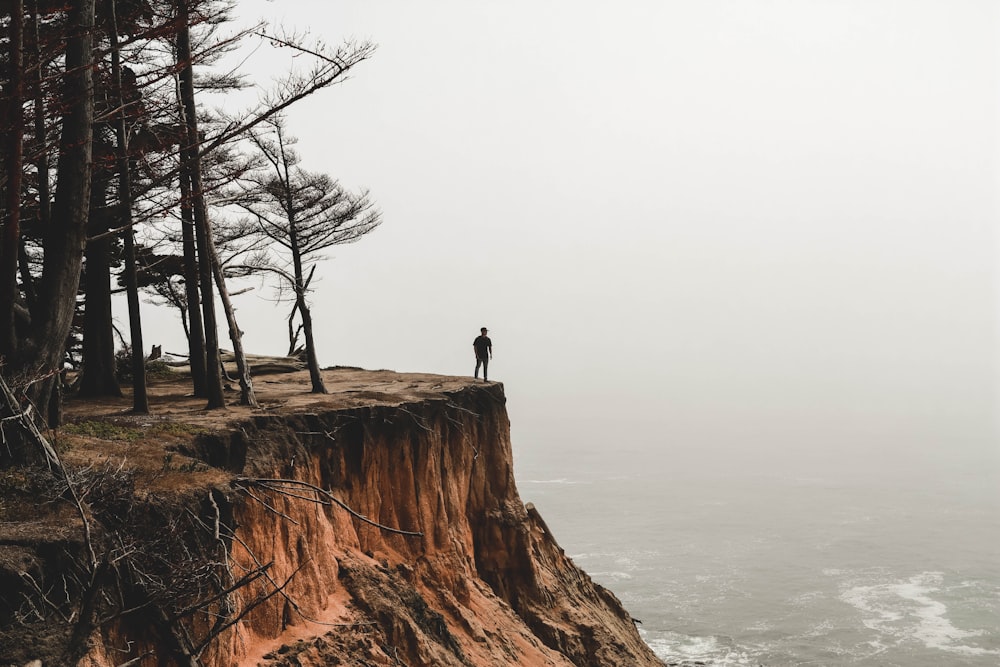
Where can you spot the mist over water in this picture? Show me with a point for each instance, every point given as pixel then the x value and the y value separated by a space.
pixel 781 546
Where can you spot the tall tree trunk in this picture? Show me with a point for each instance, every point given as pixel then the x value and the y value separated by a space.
pixel 301 284
pixel 67 233
pixel 247 396
pixel 41 156
pixel 203 232
pixel 99 377
pixel 196 330
pixel 140 398
pixel 13 128
pixel 307 328
pixel 41 130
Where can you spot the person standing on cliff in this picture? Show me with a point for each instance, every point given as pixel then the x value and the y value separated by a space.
pixel 484 352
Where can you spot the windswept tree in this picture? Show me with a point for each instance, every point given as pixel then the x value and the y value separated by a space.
pixel 103 135
pixel 301 213
pixel 329 66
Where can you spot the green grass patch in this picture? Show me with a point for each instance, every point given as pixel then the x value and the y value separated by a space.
pixel 104 430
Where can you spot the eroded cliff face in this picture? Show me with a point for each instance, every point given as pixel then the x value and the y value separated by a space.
pixel 485 584
pixel 474 577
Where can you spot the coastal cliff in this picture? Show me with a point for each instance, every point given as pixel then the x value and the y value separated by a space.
pixel 379 525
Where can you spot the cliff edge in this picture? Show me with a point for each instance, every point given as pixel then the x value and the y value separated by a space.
pixel 377 525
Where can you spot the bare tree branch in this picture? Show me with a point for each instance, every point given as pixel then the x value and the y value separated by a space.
pixel 276 484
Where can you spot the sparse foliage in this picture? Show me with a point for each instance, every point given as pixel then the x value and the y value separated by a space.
pixel 301 214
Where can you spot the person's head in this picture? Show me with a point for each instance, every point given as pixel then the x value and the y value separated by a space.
pixel 483 331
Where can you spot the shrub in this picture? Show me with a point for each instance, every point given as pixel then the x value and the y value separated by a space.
pixel 157 369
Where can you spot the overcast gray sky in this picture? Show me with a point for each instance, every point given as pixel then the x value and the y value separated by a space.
pixel 718 218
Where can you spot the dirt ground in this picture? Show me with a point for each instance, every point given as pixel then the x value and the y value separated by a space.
pixel 104 431
pixel 172 399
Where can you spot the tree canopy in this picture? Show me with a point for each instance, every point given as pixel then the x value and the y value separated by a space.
pixel 115 176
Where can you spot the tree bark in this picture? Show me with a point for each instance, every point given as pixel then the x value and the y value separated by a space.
pixel 13 127
pixel 140 398
pixel 247 396
pixel 67 233
pixel 195 329
pixel 99 376
pixel 41 157
pixel 41 131
pixel 307 328
pixel 315 377
pixel 203 232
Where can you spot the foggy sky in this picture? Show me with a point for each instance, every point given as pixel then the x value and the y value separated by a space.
pixel 705 223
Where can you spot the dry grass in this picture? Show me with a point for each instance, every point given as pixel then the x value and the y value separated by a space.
pixel 103 431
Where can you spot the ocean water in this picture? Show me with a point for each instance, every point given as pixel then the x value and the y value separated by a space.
pixel 768 558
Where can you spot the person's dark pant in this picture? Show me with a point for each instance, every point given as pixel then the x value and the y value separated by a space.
pixel 485 362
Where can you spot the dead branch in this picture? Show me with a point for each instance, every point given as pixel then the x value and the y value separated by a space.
pixel 267 505
pixel 330 435
pixel 26 422
pixel 417 419
pixel 240 583
pixel 43 596
pixel 136 660
pixel 275 484
pixel 261 599
pixel 280 589
pixel 451 404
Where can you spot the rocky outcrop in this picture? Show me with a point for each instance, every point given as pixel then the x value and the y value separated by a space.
pixel 385 534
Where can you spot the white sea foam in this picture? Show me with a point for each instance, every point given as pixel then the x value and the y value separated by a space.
pixel 907 610
pixel 684 649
